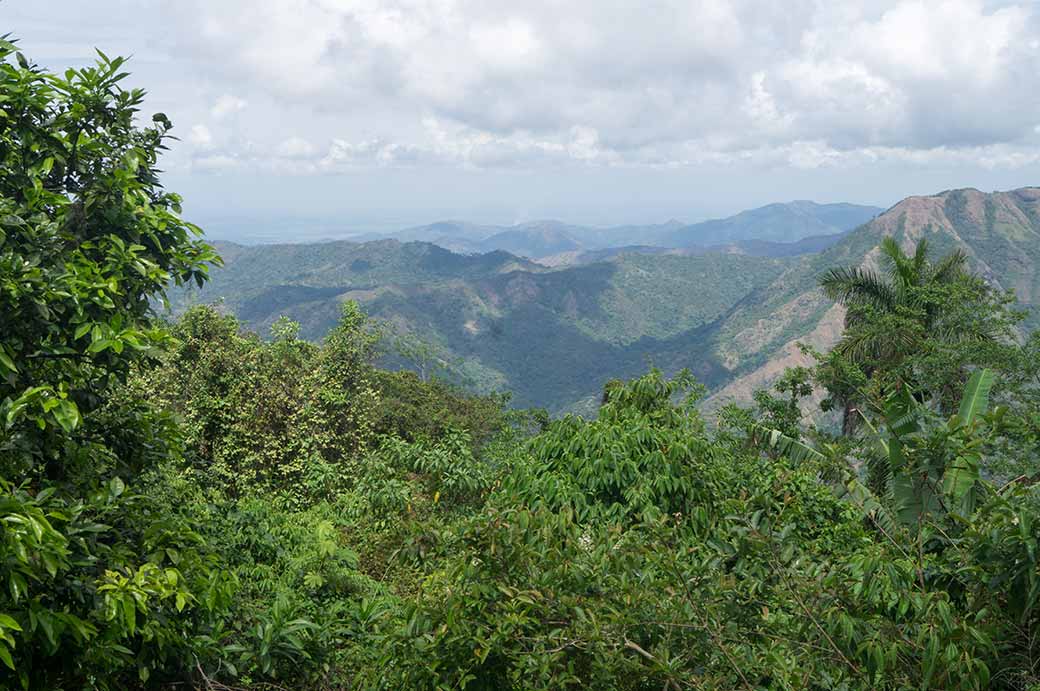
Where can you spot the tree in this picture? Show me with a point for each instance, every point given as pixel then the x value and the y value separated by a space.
pixel 921 322
pixel 93 580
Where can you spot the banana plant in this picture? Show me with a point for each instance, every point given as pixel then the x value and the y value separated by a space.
pixel 960 482
pixel 926 467
pixel 932 467
pixel 844 481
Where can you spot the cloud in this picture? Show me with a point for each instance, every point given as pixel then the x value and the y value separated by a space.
pixel 295 147
pixel 200 136
pixel 919 75
pixel 215 162
pixel 491 83
pixel 226 105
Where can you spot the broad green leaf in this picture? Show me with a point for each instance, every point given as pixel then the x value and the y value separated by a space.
pixel 5 655
pixel 975 400
pixel 66 414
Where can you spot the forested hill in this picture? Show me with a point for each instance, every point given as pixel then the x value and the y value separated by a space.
pixel 553 337
pixel 999 231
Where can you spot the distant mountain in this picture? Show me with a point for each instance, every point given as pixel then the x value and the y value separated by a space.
pixel 535 240
pixel 753 248
pixel 790 222
pixel 558 242
pixel 1000 232
pixel 769 248
pixel 553 336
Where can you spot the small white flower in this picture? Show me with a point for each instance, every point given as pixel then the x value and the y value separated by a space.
pixel 586 542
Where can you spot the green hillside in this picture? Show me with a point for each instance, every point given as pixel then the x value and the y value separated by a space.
pixel 999 231
pixel 552 337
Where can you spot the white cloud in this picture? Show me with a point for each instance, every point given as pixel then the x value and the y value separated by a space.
pixel 920 74
pixel 226 105
pixel 511 45
pixel 613 83
pixel 295 147
pixel 200 136
pixel 215 162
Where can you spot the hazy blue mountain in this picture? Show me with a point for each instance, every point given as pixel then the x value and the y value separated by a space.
pixel 788 222
pixel 769 248
pixel 534 241
pixel 753 248
pixel 560 242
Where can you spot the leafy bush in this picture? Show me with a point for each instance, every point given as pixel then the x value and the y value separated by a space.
pixel 99 589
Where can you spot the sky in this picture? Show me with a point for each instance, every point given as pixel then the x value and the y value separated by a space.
pixel 307 118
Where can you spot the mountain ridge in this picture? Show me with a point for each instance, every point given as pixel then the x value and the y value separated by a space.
pixel 553 335
pixel 1000 232
pixel 781 222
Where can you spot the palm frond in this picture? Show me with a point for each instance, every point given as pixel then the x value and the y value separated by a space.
pixel 871 342
pixel 855 492
pixel 891 251
pixel 879 472
pixel 952 267
pixel 954 333
pixel 855 286
pixel 899 265
pixel 921 258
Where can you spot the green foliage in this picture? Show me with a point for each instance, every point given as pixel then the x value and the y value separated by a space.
pixel 632 462
pixel 641 557
pixel 99 590
pixel 924 324
pixel 87 239
pixel 276 417
pixel 326 487
pixel 412 409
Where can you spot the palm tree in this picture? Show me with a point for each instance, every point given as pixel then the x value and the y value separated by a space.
pixel 890 314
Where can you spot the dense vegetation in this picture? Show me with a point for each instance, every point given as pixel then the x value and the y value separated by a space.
pixel 190 505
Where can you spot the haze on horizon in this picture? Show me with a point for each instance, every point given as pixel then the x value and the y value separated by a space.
pixel 333 116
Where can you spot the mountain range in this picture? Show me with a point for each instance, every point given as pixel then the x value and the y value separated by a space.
pixel 733 309
pixel 558 243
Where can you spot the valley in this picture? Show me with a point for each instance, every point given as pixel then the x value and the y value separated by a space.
pixel 553 335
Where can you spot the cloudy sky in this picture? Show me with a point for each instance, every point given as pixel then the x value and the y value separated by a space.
pixel 327 116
